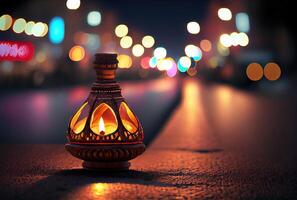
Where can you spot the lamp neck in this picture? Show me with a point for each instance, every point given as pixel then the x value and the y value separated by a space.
pixel 105 72
pixel 105 66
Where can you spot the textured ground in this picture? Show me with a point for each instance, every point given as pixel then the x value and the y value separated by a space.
pixel 220 143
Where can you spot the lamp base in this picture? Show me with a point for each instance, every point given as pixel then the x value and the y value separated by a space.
pixel 106 166
pixel 105 157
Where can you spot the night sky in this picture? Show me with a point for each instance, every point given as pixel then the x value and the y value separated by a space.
pixel 165 20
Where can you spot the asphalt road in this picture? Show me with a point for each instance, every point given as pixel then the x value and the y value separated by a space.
pixel 42 116
pixel 220 143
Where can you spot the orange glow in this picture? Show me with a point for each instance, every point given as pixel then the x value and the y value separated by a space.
pixel 254 71
pixel 77 53
pixel 272 71
pixel 206 45
pixel 109 121
pixel 91 191
pixel 125 61
pixel 128 118
pixel 79 120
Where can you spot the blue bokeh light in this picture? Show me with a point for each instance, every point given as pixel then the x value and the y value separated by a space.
pixel 56 30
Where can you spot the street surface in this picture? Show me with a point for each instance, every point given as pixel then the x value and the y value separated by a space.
pixel 219 143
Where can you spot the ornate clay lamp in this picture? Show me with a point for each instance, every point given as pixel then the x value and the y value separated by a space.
pixel 104 132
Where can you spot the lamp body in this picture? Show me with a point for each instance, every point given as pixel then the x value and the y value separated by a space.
pixel 104 132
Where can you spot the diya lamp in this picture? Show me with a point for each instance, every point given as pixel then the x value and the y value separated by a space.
pixel 104 132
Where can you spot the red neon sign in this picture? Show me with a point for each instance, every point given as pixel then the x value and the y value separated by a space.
pixel 16 51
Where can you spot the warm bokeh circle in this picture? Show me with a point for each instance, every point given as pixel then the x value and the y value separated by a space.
pixel 254 71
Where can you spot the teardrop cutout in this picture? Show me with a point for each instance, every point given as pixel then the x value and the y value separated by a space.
pixel 79 120
pixel 103 120
pixel 129 120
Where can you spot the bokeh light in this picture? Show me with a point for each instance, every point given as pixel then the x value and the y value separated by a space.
pixel 126 42
pixel 234 39
pixel 39 29
pixel 45 30
pixel 29 27
pixel 193 52
pixel 243 39
pixel 226 40
pixel 19 25
pixel 77 53
pixel 193 27
pixel 164 64
pixel 5 22
pixel 145 62
pixel 205 45
pixel 242 22
pixel 160 52
pixel 225 14
pixel 148 41
pixel 94 18
pixel 172 71
pixel 72 4
pixel 56 30
pixel 184 63
pixel 254 71
pixel 137 50
pixel 153 62
pixel 272 71
pixel 121 30
pixel 125 61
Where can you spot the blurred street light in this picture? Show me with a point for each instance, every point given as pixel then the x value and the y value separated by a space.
pixel 225 14
pixel 29 27
pixel 126 42
pixel 145 62
pixel 272 71
pixel 226 40
pixel 73 4
pixel 193 27
pixel 77 53
pixel 148 41
pixel 125 61
pixel 153 62
pixel 254 71
pixel 19 25
pixel 56 30
pixel 242 22
pixel 205 45
pixel 193 52
pixel 94 18
pixel 184 63
pixel 39 29
pixel 160 52
pixel 5 22
pixel 137 50
pixel 121 30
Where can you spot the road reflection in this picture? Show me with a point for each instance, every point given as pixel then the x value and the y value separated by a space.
pixel 91 191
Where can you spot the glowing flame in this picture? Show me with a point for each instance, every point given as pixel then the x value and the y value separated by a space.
pixel 101 126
